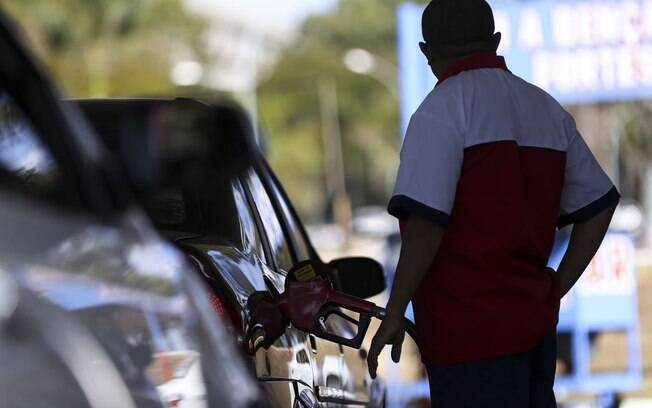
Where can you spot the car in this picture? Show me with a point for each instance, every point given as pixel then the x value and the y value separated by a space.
pixel 243 235
pixel 91 297
pixel 181 387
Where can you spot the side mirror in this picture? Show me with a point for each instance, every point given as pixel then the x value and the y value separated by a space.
pixel 359 277
pixel 177 142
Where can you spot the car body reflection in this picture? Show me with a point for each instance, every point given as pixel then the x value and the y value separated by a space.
pixel 140 312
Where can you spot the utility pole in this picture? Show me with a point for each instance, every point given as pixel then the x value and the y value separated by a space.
pixel 334 158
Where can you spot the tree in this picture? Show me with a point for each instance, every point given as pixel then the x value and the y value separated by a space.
pixel 368 112
pixel 108 47
pixel 635 149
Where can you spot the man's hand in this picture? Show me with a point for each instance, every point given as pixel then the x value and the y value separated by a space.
pixel 391 331
pixel 421 240
pixel 584 242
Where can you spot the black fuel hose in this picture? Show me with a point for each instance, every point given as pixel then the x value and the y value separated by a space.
pixel 410 328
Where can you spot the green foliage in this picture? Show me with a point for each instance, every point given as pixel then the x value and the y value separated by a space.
pixel 123 48
pixel 108 47
pixel 368 111
pixel 635 147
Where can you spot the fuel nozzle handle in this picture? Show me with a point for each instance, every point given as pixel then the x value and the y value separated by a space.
pixel 309 304
pixel 265 322
pixel 256 339
pixel 310 299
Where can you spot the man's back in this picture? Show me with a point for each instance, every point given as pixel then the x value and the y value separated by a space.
pixel 490 165
pixel 516 153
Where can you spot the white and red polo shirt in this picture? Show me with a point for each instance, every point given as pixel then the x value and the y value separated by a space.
pixel 500 164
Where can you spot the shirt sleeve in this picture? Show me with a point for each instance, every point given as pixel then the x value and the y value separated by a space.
pixel 431 160
pixel 587 189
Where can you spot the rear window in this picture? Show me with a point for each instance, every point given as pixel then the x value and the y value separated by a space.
pixel 218 210
pixel 172 210
pixel 168 209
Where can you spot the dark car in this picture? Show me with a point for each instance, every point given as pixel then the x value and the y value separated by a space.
pixel 243 235
pixel 96 310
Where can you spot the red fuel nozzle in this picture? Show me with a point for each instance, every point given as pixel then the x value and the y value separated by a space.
pixel 309 305
pixel 310 300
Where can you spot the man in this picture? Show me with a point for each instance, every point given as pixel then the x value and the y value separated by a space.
pixel 490 166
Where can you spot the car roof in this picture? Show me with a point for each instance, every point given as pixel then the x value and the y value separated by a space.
pixel 175 208
pixel 100 111
pixel 117 103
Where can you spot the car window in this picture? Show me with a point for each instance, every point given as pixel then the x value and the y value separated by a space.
pixel 278 243
pixel 169 209
pixel 218 210
pixel 250 236
pixel 26 164
pixel 293 224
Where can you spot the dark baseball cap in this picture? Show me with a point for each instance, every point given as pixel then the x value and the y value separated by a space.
pixel 457 23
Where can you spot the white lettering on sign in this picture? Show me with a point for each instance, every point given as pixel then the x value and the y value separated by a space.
pixel 646 64
pixel 646 20
pixel 600 23
pixel 607 31
pixel 583 26
pixel 589 76
pixel 563 26
pixel 503 26
pixel 593 69
pixel 607 71
pixel 531 35
pixel 631 21
pixel 627 72
pixel 611 272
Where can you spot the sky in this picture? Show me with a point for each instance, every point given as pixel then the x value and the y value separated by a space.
pixel 282 15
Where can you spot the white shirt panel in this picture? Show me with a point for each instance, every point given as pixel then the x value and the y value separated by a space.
pixel 485 106
pixel 500 106
pixel 584 181
pixel 431 159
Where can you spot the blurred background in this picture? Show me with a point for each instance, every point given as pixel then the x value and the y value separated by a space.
pixel 331 83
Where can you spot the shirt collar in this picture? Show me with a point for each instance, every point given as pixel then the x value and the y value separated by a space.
pixel 475 61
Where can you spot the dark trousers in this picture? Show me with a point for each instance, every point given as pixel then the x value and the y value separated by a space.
pixel 520 381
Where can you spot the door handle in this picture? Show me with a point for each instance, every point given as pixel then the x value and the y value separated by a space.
pixel 313 343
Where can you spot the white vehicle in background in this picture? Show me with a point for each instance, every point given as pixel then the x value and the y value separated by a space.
pixel 184 388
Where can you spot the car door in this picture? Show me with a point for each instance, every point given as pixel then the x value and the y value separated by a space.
pixel 291 356
pixel 334 380
pixel 100 298
pixel 209 216
pixel 353 383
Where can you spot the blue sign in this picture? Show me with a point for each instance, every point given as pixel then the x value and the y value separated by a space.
pixel 604 299
pixel 579 51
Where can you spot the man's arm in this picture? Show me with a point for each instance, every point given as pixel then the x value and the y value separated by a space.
pixel 421 239
pixel 584 242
